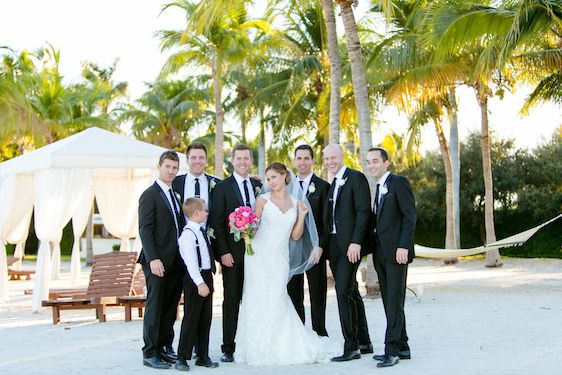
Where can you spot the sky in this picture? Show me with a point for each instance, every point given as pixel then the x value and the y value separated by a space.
pixel 103 30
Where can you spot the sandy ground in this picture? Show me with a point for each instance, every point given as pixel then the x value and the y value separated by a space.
pixel 465 319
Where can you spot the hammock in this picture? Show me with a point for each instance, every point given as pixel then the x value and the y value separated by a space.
pixel 515 240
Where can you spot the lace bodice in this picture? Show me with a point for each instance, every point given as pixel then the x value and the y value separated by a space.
pixel 275 223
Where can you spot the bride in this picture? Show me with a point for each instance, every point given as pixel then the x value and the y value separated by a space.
pixel 270 331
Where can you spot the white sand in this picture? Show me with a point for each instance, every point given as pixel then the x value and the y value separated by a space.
pixel 467 319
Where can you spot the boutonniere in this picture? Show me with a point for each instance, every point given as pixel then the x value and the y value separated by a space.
pixel 342 181
pixel 212 184
pixel 383 190
pixel 178 197
pixel 257 191
pixel 211 232
pixel 311 188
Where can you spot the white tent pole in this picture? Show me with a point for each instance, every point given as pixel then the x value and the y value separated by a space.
pixel 42 276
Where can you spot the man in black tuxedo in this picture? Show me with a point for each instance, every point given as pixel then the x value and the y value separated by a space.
pixel 196 183
pixel 346 221
pixel 160 224
pixel 235 191
pixel 392 228
pixel 315 190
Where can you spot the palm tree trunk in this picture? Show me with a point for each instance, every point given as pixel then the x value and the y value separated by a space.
pixel 359 81
pixel 450 239
pixel 261 149
pixel 361 94
pixel 219 135
pixel 335 70
pixel 243 125
pixel 493 256
pixel 454 151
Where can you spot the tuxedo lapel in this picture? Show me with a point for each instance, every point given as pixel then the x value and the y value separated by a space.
pixel 387 183
pixel 166 202
pixel 209 179
pixel 179 185
pixel 313 182
pixel 344 177
pixel 237 192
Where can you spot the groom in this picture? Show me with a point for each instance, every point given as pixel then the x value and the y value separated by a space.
pixel 235 191
pixel 346 221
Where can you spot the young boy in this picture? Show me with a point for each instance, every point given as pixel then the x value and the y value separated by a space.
pixel 197 287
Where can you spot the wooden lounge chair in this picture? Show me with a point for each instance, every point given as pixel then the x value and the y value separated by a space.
pixel 111 277
pixel 137 301
pixel 18 274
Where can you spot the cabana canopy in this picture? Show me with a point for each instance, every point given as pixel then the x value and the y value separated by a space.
pixel 59 182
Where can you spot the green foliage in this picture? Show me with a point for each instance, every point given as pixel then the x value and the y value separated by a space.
pixel 527 191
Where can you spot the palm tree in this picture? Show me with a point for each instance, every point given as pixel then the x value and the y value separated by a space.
pixel 534 46
pixel 208 49
pixel 401 69
pixel 476 33
pixel 359 79
pixel 335 70
pixel 19 123
pixel 454 150
pixel 165 113
pixel 433 111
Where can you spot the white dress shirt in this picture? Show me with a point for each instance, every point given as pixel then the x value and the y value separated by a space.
pixel 165 188
pixel 189 188
pixel 188 251
pixel 251 192
pixel 339 180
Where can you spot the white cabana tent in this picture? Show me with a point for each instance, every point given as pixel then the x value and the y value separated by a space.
pixel 59 181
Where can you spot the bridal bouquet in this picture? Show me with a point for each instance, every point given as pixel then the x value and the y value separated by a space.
pixel 243 223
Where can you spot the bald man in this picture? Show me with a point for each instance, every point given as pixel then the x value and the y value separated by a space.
pixel 347 218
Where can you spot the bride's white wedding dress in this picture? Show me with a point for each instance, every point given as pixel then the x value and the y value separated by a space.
pixel 269 330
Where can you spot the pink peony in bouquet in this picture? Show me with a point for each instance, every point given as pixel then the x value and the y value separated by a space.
pixel 243 223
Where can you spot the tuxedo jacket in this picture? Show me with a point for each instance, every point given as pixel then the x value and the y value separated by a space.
pixel 226 198
pixel 157 227
pixel 179 185
pixel 352 214
pixel 317 200
pixel 395 219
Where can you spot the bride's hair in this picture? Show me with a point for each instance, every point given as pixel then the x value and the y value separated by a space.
pixel 281 169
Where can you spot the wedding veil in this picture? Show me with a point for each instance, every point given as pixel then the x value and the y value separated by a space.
pixel 302 251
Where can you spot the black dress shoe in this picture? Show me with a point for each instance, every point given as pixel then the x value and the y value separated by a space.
pixel 227 358
pixel 181 365
pixel 206 362
pixel 388 361
pixel 170 352
pixel 403 354
pixel 155 362
pixel 366 349
pixel 167 358
pixel 347 356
